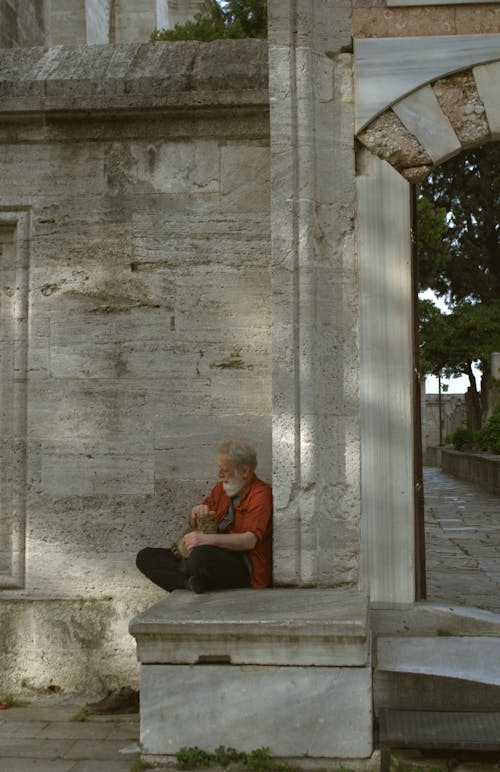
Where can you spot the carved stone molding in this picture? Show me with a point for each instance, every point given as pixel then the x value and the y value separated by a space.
pixel 14 277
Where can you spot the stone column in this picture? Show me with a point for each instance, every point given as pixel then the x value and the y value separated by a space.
pixel 98 21
pixel 315 295
pixel 21 24
pixel 179 11
pixel 15 230
pixel 66 23
pixel 386 370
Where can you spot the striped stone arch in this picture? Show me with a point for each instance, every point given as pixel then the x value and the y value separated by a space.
pixel 434 122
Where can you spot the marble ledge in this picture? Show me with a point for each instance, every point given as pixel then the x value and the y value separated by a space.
pixel 275 627
pixel 388 69
pixel 468 658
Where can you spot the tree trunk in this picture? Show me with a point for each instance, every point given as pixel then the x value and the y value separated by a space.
pixel 476 400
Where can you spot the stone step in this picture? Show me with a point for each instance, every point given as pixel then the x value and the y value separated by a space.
pixel 437 673
pixel 434 619
pixel 466 658
pixel 409 691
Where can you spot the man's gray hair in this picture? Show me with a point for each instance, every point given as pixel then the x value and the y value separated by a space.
pixel 240 453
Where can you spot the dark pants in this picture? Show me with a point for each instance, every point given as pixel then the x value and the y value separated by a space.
pixel 213 567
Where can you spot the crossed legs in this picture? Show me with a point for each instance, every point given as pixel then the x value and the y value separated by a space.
pixel 206 568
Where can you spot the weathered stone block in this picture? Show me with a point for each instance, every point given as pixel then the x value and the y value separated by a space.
pixel 257 706
pixel 320 635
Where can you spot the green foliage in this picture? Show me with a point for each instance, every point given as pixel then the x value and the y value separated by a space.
pixel 465 196
pixel 434 347
pixel 433 251
pixel 488 438
pixel 139 765
pixel 462 438
pixel 233 19
pixel 225 756
pixel 257 760
pixel 192 758
pixel 452 341
pixel 459 259
pixel 81 715
pixel 12 702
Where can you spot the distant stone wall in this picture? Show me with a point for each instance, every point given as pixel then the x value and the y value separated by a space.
pixel 88 22
pixel 453 415
pixel 141 177
pixel 482 469
pixel 22 24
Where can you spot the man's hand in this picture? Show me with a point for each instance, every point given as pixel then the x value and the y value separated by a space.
pixel 236 542
pixel 200 510
pixel 196 539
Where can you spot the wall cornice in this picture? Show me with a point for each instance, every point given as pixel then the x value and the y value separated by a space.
pixel 154 76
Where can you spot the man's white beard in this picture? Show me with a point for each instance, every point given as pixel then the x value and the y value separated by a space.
pixel 233 486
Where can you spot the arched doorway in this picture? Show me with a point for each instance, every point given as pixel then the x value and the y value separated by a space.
pixel 409 120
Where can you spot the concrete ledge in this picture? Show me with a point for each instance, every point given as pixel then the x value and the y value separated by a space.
pixel 278 627
pixel 482 469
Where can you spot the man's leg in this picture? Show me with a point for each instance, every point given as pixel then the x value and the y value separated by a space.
pixel 213 568
pixel 162 567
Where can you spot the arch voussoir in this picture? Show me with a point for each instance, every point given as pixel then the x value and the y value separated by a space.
pixel 434 122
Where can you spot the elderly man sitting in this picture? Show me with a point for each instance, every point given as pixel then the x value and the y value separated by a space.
pixel 239 554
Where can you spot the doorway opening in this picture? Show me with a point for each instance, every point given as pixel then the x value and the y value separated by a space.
pixel 457 304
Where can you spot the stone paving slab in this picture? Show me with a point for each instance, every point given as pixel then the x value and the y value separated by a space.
pixel 104 766
pixel 60 765
pixel 42 737
pixel 28 729
pixel 462 528
pixel 33 748
pixel 75 730
pixel 36 765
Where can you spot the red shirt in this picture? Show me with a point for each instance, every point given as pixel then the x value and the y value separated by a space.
pixel 253 513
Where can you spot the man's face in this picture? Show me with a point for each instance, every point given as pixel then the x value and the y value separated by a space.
pixel 233 481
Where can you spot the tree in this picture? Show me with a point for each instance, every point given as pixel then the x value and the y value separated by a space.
pixel 450 343
pixel 465 193
pixel 232 19
pixel 459 259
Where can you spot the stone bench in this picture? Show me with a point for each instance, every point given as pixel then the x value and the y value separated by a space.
pixel 289 669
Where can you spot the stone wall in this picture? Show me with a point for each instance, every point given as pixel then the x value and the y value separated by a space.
pixel 21 24
pixel 482 469
pixel 145 250
pixel 453 415
pixel 88 22
pixel 391 18
pixel 316 442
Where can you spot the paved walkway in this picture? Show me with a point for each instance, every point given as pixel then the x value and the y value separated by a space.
pixel 463 567
pixel 462 525
pixel 44 737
